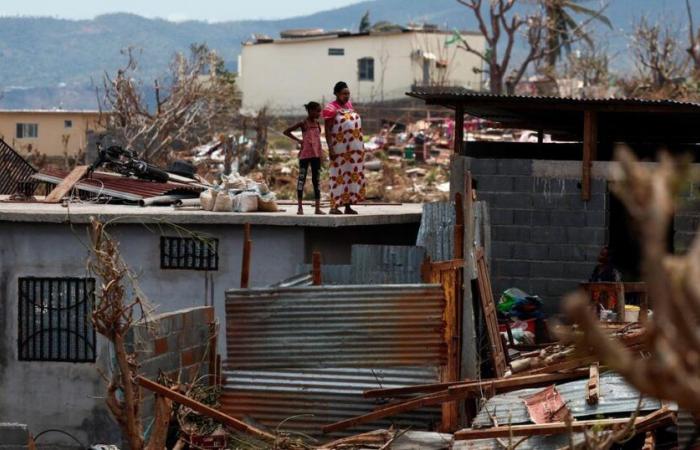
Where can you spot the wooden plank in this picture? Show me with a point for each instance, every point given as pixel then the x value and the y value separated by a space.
pixel 590 151
pixel 245 264
pixel 541 429
pixel 316 268
pixel 567 364
pixel 459 130
pixel 489 307
pixel 204 409
pixel 410 405
pixel 593 385
pixel 459 227
pixel 64 187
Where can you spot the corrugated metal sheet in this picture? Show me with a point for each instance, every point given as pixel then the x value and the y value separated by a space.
pixel 303 279
pixel 687 429
pixel 117 186
pixel 13 169
pixel 616 397
pixel 335 326
pixel 386 264
pixel 553 442
pixel 436 232
pixel 331 274
pixel 323 396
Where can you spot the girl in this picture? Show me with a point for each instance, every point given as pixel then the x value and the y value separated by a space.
pixel 310 154
pixel 347 151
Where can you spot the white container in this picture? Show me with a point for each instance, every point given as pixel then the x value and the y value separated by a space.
pixel 631 315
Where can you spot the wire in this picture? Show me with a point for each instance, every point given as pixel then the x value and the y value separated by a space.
pixel 36 438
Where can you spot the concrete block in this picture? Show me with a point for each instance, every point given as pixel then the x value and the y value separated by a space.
pixel 686 223
pixel 495 183
pixel 161 345
pixel 522 217
pixel 598 202
pixel 558 288
pixel 514 268
pixel 502 250
pixel 501 217
pixel 515 167
pixel 567 218
pixel 596 218
pixel 541 218
pixel 511 200
pixel 599 186
pixel 545 269
pixel 523 184
pixel 533 252
pixel 589 236
pixel 548 235
pixel 550 201
pixel 483 166
pixel 577 271
pixel 14 434
pixel 510 234
pixel 538 286
pixel 166 362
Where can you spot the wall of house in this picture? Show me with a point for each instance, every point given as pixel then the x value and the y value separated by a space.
pixel 71 394
pixel 545 238
pixel 53 138
pixel 285 75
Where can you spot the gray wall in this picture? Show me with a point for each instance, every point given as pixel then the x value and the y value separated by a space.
pixel 68 396
pixel 545 238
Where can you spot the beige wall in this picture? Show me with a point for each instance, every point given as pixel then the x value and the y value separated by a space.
pixel 284 75
pixel 53 139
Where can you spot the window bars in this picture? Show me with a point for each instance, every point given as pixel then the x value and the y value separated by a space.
pixel 54 320
pixel 189 253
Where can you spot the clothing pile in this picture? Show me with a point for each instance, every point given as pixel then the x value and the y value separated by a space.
pixel 235 193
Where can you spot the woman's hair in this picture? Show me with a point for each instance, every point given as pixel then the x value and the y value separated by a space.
pixel 312 106
pixel 339 86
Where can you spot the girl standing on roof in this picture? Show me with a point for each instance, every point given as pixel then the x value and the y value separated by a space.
pixel 346 150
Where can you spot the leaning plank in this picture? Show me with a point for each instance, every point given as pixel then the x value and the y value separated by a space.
pixel 508 384
pixel 204 409
pixel 410 405
pixel 593 385
pixel 488 305
pixel 542 429
pixel 66 185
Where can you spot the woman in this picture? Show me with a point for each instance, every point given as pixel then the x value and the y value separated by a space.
pixel 346 151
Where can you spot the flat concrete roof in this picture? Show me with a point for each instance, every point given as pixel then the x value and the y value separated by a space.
pixel 81 213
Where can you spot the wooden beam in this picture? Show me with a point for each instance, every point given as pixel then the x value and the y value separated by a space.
pixel 543 429
pixel 204 409
pixel 488 306
pixel 420 402
pixel 590 151
pixel 593 385
pixel 245 264
pixel 459 130
pixel 499 385
pixel 64 187
pixel 316 268
pixel 459 227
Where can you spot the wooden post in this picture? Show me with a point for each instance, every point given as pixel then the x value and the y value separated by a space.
pixel 459 129
pixel 459 227
pixel 540 136
pixel 245 266
pixel 316 268
pixel 590 151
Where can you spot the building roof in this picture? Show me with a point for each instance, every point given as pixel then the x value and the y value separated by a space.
pixel 293 36
pixel 50 111
pixel 619 119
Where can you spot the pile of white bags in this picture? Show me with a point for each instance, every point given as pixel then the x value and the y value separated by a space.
pixel 238 194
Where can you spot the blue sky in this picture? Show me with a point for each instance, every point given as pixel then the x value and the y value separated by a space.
pixel 210 10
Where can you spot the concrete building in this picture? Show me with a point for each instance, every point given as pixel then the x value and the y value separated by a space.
pixel 284 74
pixel 54 133
pixel 46 245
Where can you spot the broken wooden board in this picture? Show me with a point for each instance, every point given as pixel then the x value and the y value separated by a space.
pixel 488 305
pixel 593 387
pixel 64 187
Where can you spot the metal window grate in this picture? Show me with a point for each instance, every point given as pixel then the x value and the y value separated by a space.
pixel 189 253
pixel 54 319
pixel 13 169
pixel 336 52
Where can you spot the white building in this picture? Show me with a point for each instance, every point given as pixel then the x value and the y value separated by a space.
pixel 284 74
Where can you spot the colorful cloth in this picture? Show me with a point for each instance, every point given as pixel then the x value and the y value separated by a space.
pixel 347 155
pixel 311 141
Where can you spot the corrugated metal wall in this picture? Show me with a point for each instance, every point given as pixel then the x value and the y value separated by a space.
pixel 314 350
pixel 386 264
pixel 335 326
pixel 436 233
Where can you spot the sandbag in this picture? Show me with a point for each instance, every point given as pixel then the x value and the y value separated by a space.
pixel 223 202
pixel 267 203
pixel 207 199
pixel 245 202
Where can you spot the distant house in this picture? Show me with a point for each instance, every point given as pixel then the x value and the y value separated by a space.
pixel 50 132
pixel 283 74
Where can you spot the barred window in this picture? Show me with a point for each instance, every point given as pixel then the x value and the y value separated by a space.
pixel 189 253
pixel 336 52
pixel 55 319
pixel 365 69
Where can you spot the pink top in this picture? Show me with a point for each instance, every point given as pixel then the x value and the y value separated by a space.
pixel 332 108
pixel 311 140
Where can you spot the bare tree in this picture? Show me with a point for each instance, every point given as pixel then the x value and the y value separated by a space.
pixel 591 65
pixel 671 369
pixel 694 41
pixel 198 101
pixel 658 55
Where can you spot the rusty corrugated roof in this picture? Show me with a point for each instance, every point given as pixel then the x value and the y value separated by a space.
pixel 118 186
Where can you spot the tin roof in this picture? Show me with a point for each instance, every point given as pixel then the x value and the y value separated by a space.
pixel 118 186
pixel 619 119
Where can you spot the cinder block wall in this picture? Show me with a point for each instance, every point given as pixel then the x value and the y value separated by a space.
pixel 545 238
pixel 687 219
pixel 175 343
pixel 14 436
